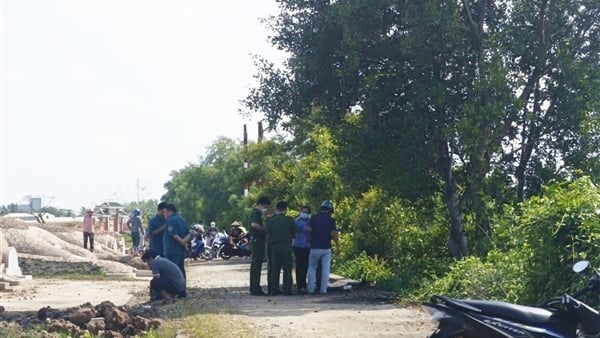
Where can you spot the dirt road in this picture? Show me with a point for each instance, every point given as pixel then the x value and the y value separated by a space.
pixel 225 285
pixel 338 314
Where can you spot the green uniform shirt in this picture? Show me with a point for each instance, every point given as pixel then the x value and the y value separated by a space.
pixel 256 217
pixel 281 228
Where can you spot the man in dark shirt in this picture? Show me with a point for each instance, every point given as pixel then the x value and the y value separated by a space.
pixel 257 242
pixel 281 230
pixel 156 228
pixel 322 230
pixel 167 280
pixel 177 236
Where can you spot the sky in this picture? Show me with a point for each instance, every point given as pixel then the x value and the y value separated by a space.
pixel 102 100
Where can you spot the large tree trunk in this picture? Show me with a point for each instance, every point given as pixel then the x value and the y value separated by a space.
pixel 457 240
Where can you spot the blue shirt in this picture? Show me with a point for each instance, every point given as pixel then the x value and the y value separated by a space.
pixel 176 225
pixel 301 240
pixel 156 241
pixel 322 225
pixel 169 271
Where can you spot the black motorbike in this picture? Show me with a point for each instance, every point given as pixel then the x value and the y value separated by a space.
pixel 241 248
pixel 559 317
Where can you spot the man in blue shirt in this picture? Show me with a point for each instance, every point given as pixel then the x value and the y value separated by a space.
pixel 321 229
pixel 156 228
pixel 167 280
pixel 301 246
pixel 176 237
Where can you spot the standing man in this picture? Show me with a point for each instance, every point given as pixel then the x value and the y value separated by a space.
pixel 302 248
pixel 321 229
pixel 257 242
pixel 281 230
pixel 156 229
pixel 137 230
pixel 89 222
pixel 176 237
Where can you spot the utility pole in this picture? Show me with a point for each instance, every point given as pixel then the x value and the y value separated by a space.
pixel 259 183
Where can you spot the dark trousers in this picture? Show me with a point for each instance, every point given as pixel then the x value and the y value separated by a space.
pixel 270 285
pixel 258 256
pixel 301 255
pixel 157 285
pixel 179 260
pixel 281 256
pixel 88 236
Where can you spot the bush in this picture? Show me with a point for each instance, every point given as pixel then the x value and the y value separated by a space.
pixel 536 245
pixel 550 233
pixel 373 270
pixel 498 278
pixel 412 244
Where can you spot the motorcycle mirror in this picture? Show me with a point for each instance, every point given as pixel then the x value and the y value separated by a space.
pixel 580 266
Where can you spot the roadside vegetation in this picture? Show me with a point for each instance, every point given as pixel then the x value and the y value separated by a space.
pixel 460 147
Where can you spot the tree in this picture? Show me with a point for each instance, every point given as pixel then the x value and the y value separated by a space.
pixel 426 96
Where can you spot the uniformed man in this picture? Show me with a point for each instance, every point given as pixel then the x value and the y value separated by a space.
pixel 156 228
pixel 281 230
pixel 176 237
pixel 257 242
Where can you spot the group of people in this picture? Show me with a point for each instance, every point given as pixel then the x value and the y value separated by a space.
pixel 279 239
pixel 282 238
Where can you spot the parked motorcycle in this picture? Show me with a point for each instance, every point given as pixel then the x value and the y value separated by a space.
pixel 559 317
pixel 198 248
pixel 241 248
pixel 220 239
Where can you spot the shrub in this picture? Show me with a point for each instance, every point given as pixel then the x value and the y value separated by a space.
pixel 413 244
pixel 373 270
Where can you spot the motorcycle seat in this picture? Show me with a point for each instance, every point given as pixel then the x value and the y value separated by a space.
pixel 521 313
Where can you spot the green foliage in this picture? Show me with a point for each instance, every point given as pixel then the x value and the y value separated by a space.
pixel 371 269
pixel 536 246
pixel 412 242
pixel 499 278
pixel 551 232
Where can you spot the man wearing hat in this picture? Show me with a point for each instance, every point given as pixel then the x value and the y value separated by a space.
pixel 89 221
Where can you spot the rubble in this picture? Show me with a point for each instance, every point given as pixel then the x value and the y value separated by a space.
pixel 103 320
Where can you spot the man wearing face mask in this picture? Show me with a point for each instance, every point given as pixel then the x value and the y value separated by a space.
pixel 257 242
pixel 301 246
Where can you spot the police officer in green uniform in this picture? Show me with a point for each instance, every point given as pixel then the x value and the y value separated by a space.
pixel 281 230
pixel 257 244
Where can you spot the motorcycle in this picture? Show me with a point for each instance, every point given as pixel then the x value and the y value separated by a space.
pixel 241 248
pixel 559 317
pixel 220 239
pixel 198 249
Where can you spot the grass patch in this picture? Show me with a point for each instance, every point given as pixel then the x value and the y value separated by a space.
pixel 201 315
pixel 205 325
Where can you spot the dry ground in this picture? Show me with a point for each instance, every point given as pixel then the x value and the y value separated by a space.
pixel 339 314
pixel 215 287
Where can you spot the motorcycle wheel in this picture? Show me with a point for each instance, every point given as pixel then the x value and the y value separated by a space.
pixel 207 255
pixel 223 254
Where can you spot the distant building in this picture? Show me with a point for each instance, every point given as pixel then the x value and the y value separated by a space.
pixel 112 216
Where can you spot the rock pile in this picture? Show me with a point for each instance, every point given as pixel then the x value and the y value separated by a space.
pixel 102 320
